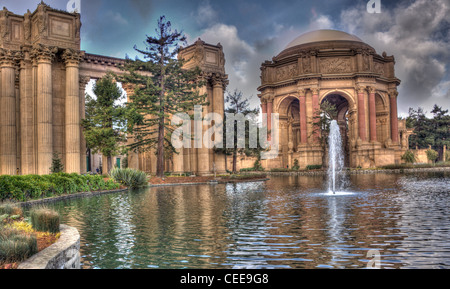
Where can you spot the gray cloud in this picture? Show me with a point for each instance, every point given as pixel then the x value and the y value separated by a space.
pixel 412 32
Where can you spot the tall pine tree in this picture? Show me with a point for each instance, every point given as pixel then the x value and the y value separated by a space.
pixel 105 120
pixel 162 88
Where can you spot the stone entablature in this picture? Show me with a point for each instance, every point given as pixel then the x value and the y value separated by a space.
pixel 345 60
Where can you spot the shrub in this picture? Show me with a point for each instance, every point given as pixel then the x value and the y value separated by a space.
pixel 129 177
pixel 10 209
pixel 296 166
pixel 432 155
pixel 313 167
pixel 45 220
pixel 16 246
pixel 409 157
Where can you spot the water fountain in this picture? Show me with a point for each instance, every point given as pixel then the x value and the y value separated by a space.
pixel 336 178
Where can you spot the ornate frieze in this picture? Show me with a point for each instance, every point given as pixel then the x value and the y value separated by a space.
pixel 287 72
pixel 335 65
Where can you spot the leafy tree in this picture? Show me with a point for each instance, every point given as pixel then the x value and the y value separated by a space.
pixel 235 103
pixel 162 88
pixel 104 125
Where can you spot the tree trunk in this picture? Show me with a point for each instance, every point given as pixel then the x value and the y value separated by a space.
pixel 234 162
pixel 160 152
pixel 108 164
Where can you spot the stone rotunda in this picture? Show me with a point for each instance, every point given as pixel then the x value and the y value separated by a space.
pixel 333 66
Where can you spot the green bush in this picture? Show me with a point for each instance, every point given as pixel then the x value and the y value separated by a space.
pixel 16 246
pixel 129 177
pixel 296 166
pixel 409 157
pixel 313 167
pixel 432 155
pixel 22 188
pixel 45 220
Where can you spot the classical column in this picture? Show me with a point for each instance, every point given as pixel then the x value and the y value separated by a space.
pixel 133 157
pixel 361 113
pixel 84 80
pixel 372 115
pixel 316 110
pixel 203 158
pixel 8 133
pixel 394 116
pixel 219 84
pixel 72 60
pixel 26 112
pixel 303 131
pixel 269 116
pixel 44 111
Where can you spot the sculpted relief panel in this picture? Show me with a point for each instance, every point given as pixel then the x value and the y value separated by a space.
pixel 287 72
pixel 335 65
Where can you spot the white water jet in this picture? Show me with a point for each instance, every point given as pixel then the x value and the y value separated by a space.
pixel 336 178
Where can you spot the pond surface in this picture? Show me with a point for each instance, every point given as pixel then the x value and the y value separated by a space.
pixel 287 222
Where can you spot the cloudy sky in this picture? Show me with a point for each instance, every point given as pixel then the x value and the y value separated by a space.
pixel 416 32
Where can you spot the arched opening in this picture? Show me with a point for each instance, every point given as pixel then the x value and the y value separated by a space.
pixel 342 108
pixel 382 119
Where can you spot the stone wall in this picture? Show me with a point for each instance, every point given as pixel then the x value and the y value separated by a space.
pixel 64 254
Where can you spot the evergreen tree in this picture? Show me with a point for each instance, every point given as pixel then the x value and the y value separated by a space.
pixel 57 165
pixel 105 120
pixel 162 88
pixel 434 132
pixel 237 104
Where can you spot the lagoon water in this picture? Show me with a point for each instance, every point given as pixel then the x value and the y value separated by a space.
pixel 286 222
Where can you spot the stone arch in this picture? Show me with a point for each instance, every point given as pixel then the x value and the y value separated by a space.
pixel 382 117
pixel 349 97
pixel 285 103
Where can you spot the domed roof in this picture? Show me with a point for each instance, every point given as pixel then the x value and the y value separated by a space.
pixel 322 35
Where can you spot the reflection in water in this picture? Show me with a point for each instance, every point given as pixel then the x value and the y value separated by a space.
pixel 287 222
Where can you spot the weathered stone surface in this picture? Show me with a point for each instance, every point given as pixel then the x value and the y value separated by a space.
pixel 64 254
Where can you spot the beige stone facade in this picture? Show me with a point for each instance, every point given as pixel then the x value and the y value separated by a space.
pixel 338 67
pixel 43 75
pixel 43 80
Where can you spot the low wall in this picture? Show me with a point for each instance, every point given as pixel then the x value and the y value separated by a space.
pixel 362 171
pixel 64 254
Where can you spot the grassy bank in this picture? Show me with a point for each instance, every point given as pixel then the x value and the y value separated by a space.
pixel 33 187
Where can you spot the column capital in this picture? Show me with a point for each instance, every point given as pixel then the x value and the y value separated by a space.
pixel 72 57
pixel 219 80
pixel 43 53
pixel 315 90
pixel 360 89
pixel 371 89
pixel 84 80
pixel 301 92
pixel 393 94
pixel 9 58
